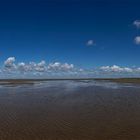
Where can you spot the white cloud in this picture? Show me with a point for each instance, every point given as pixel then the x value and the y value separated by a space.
pixel 91 43
pixel 41 64
pixel 105 68
pixel 116 69
pixel 127 69
pixel 21 66
pixel 60 67
pixel 11 67
pixel 32 66
pixel 41 67
pixel 137 40
pixel 137 23
pixel 9 63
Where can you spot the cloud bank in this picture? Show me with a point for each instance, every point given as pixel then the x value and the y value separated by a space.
pixel 116 69
pixel 11 69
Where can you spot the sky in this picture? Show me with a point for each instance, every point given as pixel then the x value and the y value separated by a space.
pixel 69 37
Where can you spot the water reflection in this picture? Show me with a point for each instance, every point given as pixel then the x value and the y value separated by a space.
pixel 69 84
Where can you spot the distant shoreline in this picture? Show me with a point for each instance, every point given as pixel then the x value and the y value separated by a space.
pixel 31 81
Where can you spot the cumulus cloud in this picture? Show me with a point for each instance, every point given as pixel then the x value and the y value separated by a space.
pixel 60 67
pixel 137 40
pixel 21 66
pixel 31 67
pixel 41 67
pixel 116 68
pixel 35 68
pixel 9 63
pixel 136 23
pixel 90 43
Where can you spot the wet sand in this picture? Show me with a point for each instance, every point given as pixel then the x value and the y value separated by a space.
pixel 70 110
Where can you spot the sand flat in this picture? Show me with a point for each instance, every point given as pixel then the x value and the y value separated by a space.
pixel 70 110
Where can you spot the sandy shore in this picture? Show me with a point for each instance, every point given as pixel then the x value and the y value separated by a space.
pixel 70 110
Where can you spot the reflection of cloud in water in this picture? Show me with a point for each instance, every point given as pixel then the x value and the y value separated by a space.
pixel 69 84
pixel 74 84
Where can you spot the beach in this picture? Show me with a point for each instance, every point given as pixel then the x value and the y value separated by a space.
pixel 69 110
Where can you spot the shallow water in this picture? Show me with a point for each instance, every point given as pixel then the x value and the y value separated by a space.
pixel 70 110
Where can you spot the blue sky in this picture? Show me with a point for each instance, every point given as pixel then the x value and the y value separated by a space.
pixel 86 33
